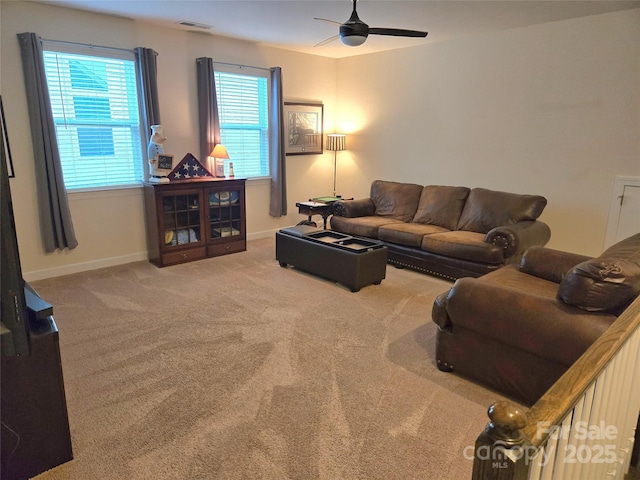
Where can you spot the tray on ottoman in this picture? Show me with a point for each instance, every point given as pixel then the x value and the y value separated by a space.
pixel 351 261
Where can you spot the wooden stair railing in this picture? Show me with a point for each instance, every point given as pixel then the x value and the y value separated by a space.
pixel 583 427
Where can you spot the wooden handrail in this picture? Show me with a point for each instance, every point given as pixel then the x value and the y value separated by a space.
pixel 564 394
pixel 552 407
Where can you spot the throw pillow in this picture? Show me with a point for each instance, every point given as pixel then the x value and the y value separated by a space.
pixel 395 200
pixel 601 284
pixel 487 209
pixel 441 205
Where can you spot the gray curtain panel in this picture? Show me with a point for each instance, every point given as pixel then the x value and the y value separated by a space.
pixel 277 158
pixel 55 217
pixel 147 76
pixel 207 109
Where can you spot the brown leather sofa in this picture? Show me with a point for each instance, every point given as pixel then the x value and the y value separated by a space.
pixel 517 330
pixel 447 231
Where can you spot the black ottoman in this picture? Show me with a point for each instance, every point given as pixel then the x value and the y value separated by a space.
pixel 351 261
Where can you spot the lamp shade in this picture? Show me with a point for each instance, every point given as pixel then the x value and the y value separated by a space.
pixel 219 151
pixel 336 142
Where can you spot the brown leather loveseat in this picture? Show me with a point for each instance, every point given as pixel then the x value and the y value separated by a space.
pixel 450 232
pixel 517 330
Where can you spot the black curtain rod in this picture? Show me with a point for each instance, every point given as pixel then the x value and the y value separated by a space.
pixel 241 66
pixel 75 44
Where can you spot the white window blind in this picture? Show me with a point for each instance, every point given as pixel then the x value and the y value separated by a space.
pixel 243 110
pixel 95 110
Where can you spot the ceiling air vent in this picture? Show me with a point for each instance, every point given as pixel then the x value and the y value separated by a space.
pixel 201 26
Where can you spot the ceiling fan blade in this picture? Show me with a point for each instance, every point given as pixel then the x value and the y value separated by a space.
pixel 397 32
pixel 328 40
pixel 354 31
pixel 329 21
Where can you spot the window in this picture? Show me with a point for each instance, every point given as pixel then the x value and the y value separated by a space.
pixel 94 101
pixel 243 110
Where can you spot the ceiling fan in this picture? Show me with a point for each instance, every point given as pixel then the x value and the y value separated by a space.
pixel 354 31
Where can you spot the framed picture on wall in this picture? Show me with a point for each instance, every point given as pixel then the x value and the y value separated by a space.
pixel 303 128
pixel 6 151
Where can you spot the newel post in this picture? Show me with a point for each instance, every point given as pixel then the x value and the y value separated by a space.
pixel 499 449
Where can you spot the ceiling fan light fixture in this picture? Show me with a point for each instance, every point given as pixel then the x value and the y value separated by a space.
pixel 354 32
pixel 353 40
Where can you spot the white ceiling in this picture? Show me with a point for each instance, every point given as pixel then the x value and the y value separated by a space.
pixel 290 24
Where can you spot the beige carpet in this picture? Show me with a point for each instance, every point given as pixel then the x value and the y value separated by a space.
pixel 236 368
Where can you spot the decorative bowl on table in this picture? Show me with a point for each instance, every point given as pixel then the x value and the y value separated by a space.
pixel 223 198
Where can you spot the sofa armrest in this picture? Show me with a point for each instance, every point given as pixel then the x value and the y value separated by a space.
pixel 543 326
pixel 516 239
pixel 550 264
pixel 363 207
pixel 439 313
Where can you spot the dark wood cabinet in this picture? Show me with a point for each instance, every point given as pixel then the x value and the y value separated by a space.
pixel 194 219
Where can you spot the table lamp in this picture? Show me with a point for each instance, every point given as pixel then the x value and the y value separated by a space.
pixel 219 151
pixel 335 143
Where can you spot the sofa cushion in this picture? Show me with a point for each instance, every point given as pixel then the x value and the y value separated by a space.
pixel 606 283
pixel 464 245
pixel 409 234
pixel 361 226
pixel 487 209
pixel 395 200
pixel 441 205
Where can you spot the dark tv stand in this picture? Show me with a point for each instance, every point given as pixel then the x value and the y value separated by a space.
pixel 34 434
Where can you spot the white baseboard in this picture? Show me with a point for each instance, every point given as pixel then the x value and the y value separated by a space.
pixel 109 262
pixel 83 267
pixel 264 234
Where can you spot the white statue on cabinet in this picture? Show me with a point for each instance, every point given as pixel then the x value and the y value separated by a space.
pixel 157 174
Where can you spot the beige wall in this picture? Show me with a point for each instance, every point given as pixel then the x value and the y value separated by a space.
pixel 110 224
pixel 551 109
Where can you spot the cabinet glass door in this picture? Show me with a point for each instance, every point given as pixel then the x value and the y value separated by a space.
pixel 225 213
pixel 181 219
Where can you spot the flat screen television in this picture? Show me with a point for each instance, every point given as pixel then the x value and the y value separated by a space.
pixel 14 325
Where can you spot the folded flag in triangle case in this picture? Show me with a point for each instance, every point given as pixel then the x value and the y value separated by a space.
pixel 189 167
